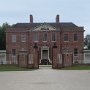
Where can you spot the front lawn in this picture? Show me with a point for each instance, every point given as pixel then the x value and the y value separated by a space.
pixel 77 68
pixel 13 68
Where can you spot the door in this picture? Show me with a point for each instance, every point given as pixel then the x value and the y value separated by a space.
pixel 22 60
pixel 45 58
pixel 67 60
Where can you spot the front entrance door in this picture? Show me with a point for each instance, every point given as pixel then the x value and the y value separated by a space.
pixel 44 60
pixel 45 56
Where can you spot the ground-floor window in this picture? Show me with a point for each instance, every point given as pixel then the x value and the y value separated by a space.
pixel 14 52
pixel 75 52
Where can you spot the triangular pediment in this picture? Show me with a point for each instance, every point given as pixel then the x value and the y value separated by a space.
pixel 44 27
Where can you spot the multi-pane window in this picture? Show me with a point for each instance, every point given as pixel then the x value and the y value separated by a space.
pixel 75 37
pixel 75 52
pixel 13 52
pixel 53 36
pixel 35 37
pixel 65 37
pixel 23 38
pixel 45 37
pixel 13 38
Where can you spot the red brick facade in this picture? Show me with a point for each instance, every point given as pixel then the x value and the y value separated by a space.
pixel 32 44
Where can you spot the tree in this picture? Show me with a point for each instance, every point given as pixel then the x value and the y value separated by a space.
pixel 87 41
pixel 3 35
pixel 89 46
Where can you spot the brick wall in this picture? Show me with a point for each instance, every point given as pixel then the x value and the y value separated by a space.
pixel 29 44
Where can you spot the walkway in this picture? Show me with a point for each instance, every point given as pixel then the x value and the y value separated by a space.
pixel 45 79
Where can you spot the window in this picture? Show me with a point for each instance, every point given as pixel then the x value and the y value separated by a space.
pixel 75 52
pixel 23 38
pixel 13 38
pixel 53 36
pixel 75 37
pixel 36 37
pixel 45 37
pixel 35 45
pixel 65 37
pixel 13 52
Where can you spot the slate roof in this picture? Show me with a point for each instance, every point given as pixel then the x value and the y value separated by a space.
pixel 64 26
pixel 31 25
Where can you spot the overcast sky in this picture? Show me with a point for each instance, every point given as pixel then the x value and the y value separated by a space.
pixel 76 11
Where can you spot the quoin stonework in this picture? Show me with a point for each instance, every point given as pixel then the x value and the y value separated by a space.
pixel 59 44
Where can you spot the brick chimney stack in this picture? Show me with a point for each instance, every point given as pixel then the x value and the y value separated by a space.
pixel 31 19
pixel 57 19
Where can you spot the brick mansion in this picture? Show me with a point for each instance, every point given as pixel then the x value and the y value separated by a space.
pixel 59 44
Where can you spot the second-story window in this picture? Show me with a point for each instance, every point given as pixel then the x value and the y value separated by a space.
pixel 45 37
pixel 23 38
pixel 13 38
pixel 65 37
pixel 75 37
pixel 53 36
pixel 35 37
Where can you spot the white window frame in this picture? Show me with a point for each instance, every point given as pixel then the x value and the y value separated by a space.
pixel 64 39
pixel 52 37
pixel 77 52
pixel 23 38
pixel 35 37
pixel 13 38
pixel 43 38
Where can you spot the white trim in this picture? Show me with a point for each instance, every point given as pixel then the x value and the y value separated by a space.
pixel 55 36
pixel 14 38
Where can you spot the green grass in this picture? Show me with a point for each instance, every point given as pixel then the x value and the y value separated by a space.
pixel 77 68
pixel 13 68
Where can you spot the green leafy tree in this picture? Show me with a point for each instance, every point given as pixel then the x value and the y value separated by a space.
pixel 3 35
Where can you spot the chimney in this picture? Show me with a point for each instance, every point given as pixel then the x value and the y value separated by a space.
pixel 57 19
pixel 31 19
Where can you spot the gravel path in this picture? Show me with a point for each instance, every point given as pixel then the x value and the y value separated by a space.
pixel 45 79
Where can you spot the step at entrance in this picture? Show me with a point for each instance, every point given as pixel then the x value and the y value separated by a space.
pixel 45 66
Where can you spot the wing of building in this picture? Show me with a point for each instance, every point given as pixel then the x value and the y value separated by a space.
pixel 31 44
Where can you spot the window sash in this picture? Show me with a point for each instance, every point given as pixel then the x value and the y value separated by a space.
pixel 14 52
pixel 75 37
pixel 23 38
pixel 75 52
pixel 65 37
pixel 45 37
pixel 53 36
pixel 13 38
pixel 36 37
